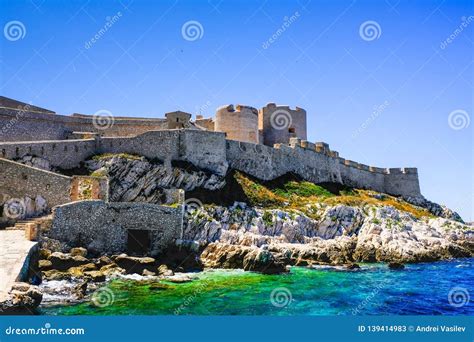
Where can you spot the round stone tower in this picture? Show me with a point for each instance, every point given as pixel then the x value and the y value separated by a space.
pixel 239 124
pixel 280 123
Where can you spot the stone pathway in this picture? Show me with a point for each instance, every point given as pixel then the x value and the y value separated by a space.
pixel 14 248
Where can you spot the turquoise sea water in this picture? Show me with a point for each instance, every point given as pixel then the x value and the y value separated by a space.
pixel 421 289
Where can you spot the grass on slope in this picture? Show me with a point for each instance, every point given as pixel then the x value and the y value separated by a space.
pixel 119 155
pixel 296 194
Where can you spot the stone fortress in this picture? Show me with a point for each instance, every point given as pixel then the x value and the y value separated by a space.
pixel 266 144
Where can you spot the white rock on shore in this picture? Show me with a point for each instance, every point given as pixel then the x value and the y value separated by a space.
pixel 342 234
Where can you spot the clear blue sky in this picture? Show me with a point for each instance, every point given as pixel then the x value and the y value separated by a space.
pixel 142 66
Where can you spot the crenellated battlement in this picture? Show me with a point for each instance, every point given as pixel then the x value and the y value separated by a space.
pixel 272 105
pixel 323 148
pixel 230 109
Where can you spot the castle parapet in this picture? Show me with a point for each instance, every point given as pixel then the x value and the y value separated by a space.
pixel 348 162
pixel 319 147
pixel 377 169
pixel 295 142
pixel 410 170
pixel 395 170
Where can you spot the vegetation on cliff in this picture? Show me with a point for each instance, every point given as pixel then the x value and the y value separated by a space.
pixel 301 195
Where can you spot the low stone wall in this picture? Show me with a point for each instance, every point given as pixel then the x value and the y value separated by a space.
pixel 104 227
pixel 64 154
pixel 18 181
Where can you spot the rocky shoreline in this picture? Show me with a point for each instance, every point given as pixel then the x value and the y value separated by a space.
pixel 338 235
pixel 264 241
pixel 72 277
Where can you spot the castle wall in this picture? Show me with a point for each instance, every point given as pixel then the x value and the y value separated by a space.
pixel 319 166
pixel 19 125
pixel 239 124
pixel 18 181
pixel 403 182
pixel 267 163
pixel 103 227
pixel 64 154
pixel 160 145
pixel 201 148
pixel 211 151
pixel 359 176
pixel 207 124
pixel 204 149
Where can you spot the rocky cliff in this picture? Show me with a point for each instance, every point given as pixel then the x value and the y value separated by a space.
pixel 340 234
pixel 135 179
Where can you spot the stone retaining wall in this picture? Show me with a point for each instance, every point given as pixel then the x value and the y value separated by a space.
pixel 103 227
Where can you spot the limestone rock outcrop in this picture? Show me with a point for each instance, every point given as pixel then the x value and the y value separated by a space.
pixel 339 235
pixel 434 208
pixel 139 180
pixel 23 300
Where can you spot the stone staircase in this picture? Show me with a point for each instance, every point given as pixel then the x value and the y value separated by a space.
pixel 32 226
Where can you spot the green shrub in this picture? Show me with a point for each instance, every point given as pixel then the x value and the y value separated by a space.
pixel 267 218
pixel 302 189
